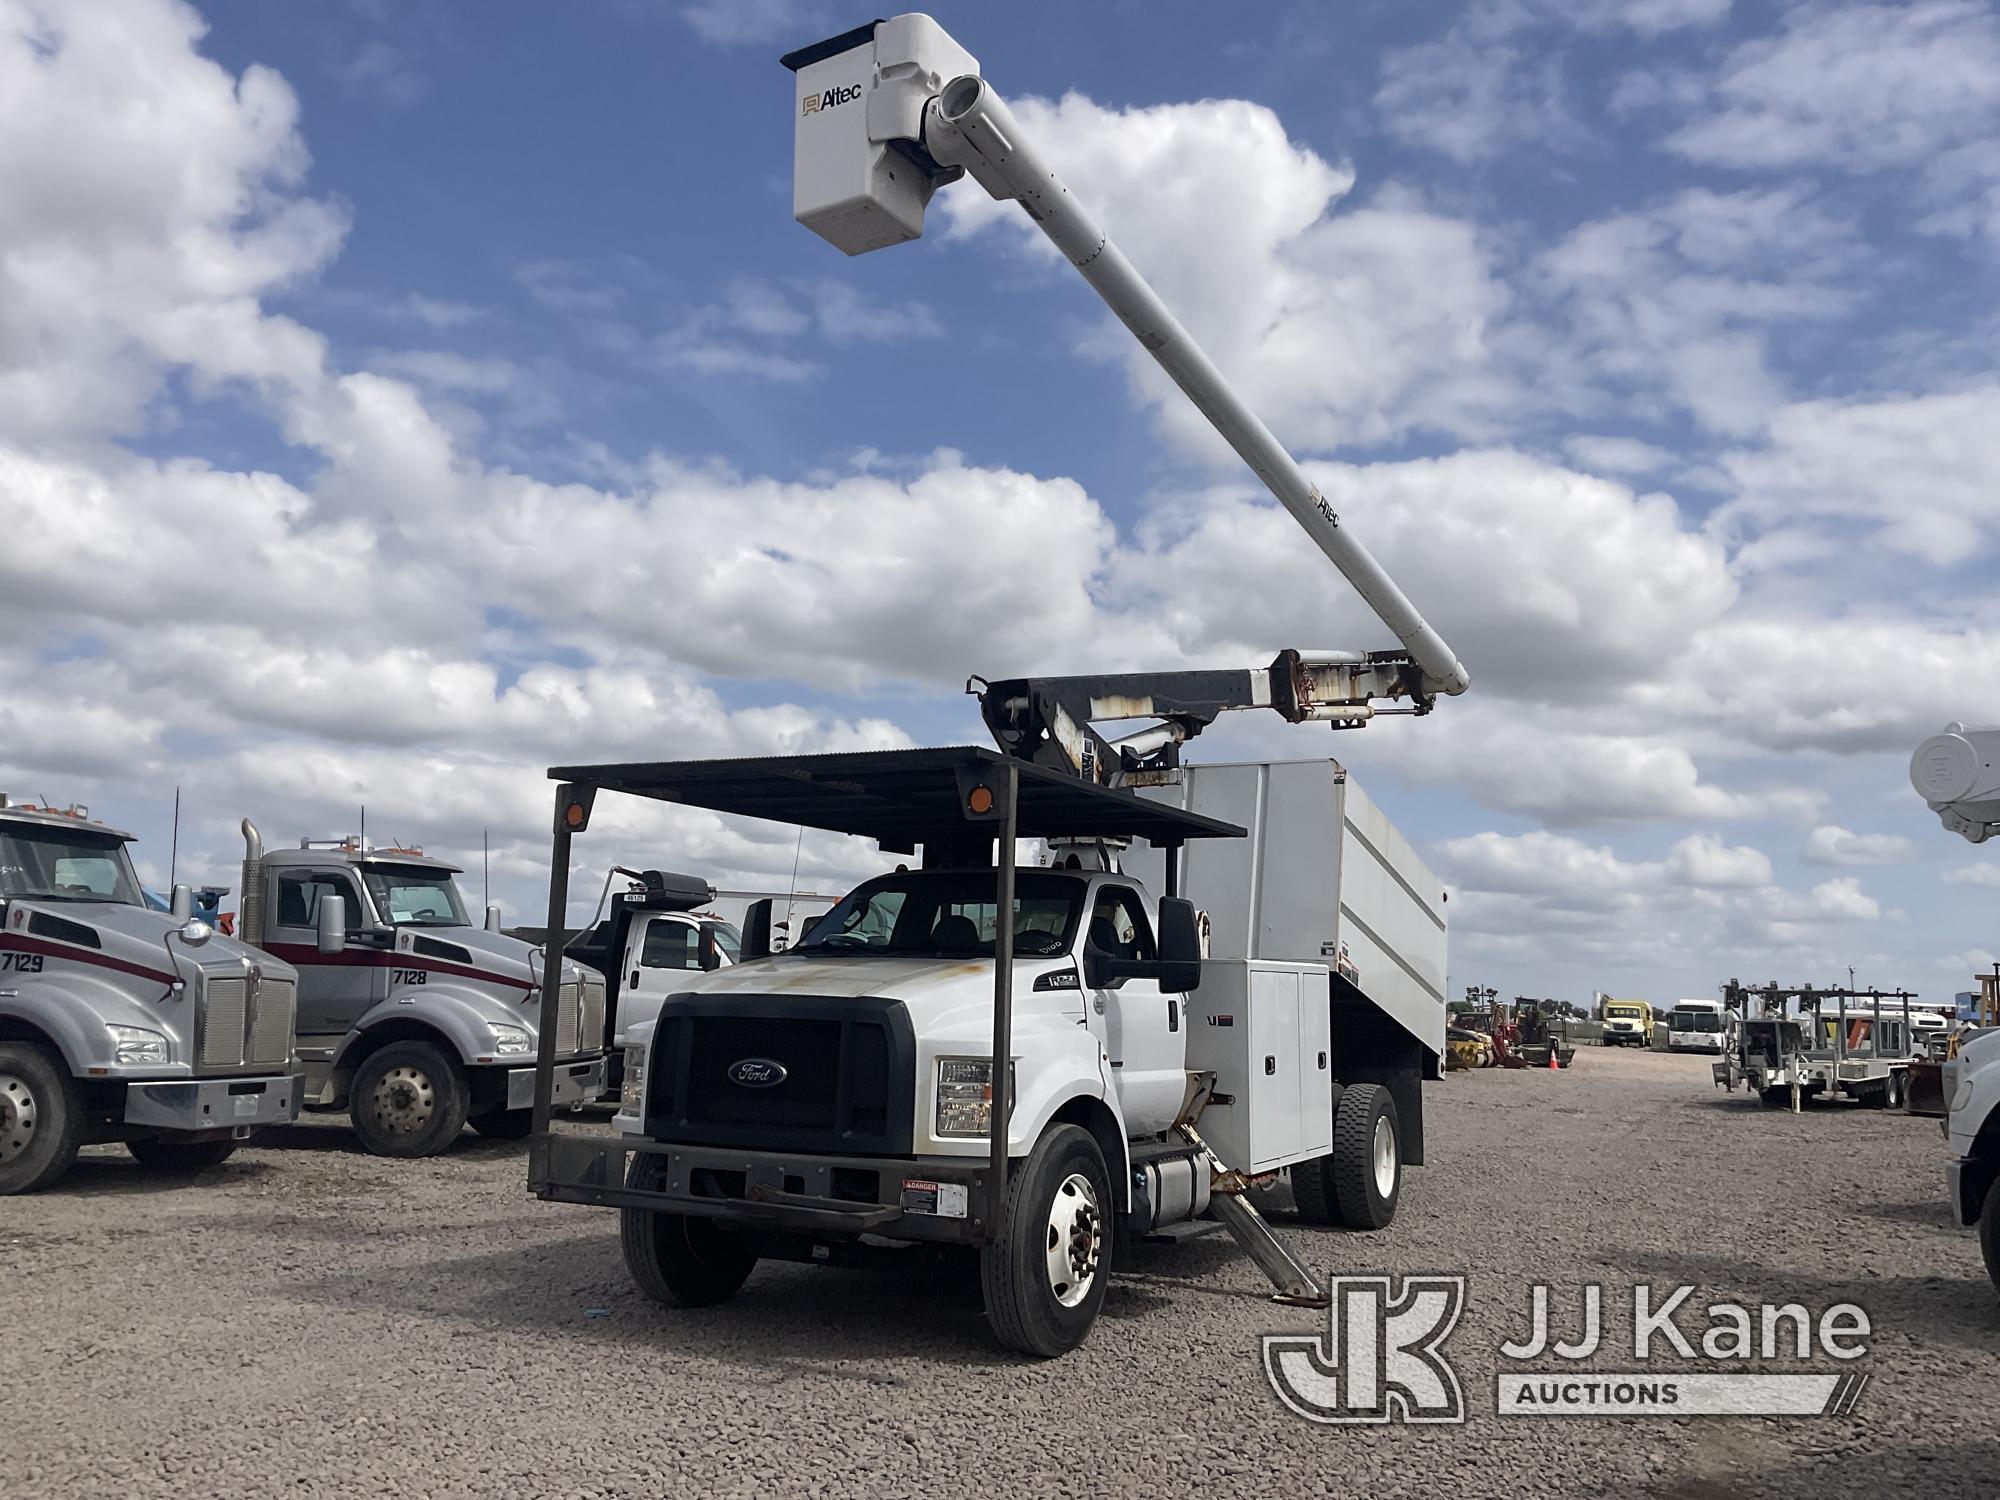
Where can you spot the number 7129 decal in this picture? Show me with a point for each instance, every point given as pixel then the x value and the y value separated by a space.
pixel 20 963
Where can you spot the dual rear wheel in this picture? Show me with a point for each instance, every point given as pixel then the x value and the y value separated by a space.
pixel 1358 1184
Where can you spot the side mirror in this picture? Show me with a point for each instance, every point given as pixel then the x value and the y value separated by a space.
pixel 1180 946
pixel 182 903
pixel 756 941
pixel 332 923
pixel 710 953
pixel 492 919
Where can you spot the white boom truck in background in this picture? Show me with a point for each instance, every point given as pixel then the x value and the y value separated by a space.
pixel 411 1018
pixel 121 1023
pixel 1958 774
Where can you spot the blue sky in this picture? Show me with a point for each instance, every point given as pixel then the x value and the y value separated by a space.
pixel 399 398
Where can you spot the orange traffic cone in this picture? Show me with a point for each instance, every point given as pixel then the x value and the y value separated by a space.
pixel 1553 1064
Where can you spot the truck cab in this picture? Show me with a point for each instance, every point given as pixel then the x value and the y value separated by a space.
pixel 1972 1130
pixel 1628 1023
pixel 122 1023
pixel 410 1017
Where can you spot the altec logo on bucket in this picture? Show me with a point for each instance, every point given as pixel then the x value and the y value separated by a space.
pixel 1382 1357
pixel 813 104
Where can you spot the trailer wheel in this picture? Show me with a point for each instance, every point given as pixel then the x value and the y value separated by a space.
pixel 1892 1092
pixel 1044 1274
pixel 675 1259
pixel 409 1099
pixel 180 1158
pixel 503 1124
pixel 41 1118
pixel 1367 1158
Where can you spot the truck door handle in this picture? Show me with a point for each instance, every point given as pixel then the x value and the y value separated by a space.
pixel 1173 1015
pixel 635 981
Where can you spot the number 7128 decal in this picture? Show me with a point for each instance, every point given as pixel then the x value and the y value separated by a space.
pixel 409 976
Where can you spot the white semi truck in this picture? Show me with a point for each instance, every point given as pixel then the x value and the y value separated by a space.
pixel 838 1101
pixel 412 1019
pixel 122 1023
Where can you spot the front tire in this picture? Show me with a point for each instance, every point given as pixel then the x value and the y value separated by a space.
pixel 1044 1275
pixel 676 1259
pixel 409 1100
pixel 180 1158
pixel 1367 1160
pixel 1989 1235
pixel 41 1118
pixel 504 1124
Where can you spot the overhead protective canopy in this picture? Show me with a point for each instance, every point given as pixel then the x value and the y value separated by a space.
pixel 900 797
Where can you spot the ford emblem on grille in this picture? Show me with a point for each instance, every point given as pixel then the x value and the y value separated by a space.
pixel 756 1073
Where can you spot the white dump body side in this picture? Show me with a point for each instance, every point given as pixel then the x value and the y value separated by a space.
pixel 1322 866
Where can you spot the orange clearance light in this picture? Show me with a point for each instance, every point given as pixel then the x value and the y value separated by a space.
pixel 981 800
pixel 573 815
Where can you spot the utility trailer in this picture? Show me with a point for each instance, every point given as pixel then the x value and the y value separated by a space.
pixel 839 1100
pixel 1855 1052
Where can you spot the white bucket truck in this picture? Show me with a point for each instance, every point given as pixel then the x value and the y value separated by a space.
pixel 838 1100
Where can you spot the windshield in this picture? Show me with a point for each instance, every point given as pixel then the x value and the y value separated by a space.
pixel 61 864
pixel 949 913
pixel 411 897
pixel 727 939
pixel 1695 1020
pixel 1623 1012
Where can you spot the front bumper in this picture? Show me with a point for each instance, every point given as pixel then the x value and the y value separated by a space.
pixel 576 1084
pixel 935 1199
pixel 214 1104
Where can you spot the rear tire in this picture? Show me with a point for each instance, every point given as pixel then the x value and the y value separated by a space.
pixel 409 1100
pixel 1367 1160
pixel 1892 1092
pixel 504 1124
pixel 1313 1191
pixel 676 1259
pixel 180 1158
pixel 41 1118
pixel 1044 1275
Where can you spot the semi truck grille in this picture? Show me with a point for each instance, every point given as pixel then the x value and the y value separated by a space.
pixel 590 1031
pixel 823 1075
pixel 566 1019
pixel 245 1027
pixel 225 1011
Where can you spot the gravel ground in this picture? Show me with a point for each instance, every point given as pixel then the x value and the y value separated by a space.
pixel 313 1321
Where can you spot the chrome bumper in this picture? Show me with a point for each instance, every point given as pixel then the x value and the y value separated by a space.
pixel 576 1083
pixel 214 1104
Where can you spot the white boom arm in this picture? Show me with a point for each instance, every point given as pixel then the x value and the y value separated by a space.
pixel 1958 774
pixel 917 115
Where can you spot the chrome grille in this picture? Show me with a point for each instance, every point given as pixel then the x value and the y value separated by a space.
pixel 224 1014
pixel 271 1023
pixel 591 1034
pixel 566 1018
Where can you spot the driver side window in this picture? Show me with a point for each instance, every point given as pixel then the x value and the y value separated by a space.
pixel 299 897
pixel 1118 924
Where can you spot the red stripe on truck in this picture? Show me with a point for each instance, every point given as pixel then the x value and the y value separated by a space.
pixel 308 956
pixel 14 942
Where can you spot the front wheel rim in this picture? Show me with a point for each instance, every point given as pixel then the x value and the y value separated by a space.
pixel 1382 1156
pixel 18 1117
pixel 1075 1240
pixel 403 1101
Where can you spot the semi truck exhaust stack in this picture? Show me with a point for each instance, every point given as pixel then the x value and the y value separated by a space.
pixel 250 906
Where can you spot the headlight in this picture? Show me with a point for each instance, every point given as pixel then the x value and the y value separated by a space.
pixel 137 1045
pixel 632 1090
pixel 509 1040
pixel 965 1095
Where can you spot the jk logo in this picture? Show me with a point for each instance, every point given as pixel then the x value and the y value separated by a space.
pixel 1380 1359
